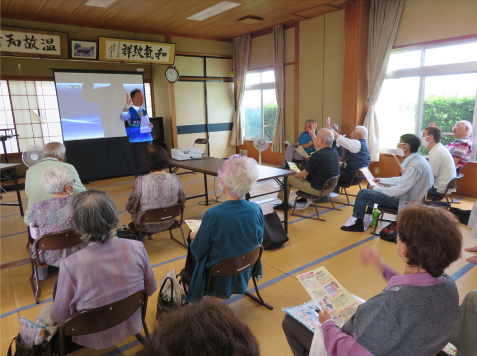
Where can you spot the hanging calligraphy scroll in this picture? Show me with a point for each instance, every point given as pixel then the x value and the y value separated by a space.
pixel 113 49
pixel 24 42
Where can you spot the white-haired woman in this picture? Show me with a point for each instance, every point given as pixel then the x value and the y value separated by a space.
pixel 54 214
pixel 232 229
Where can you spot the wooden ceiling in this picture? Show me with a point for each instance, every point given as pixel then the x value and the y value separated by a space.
pixel 168 17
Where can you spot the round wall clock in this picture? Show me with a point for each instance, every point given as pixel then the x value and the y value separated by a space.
pixel 172 75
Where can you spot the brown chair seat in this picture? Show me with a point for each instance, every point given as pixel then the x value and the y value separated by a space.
pixel 330 184
pixel 453 184
pixel 358 177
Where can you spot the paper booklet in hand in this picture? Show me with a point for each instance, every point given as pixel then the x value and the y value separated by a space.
pixel 193 224
pixel 302 152
pixel 328 294
pixel 145 124
pixel 293 166
pixel 369 176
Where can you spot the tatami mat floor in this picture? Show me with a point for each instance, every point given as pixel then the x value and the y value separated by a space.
pixel 312 244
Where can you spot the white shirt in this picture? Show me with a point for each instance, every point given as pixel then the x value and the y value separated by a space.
pixel 354 146
pixel 443 167
pixel 399 185
pixel 126 116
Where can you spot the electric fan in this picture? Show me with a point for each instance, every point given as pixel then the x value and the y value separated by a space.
pixel 32 155
pixel 261 143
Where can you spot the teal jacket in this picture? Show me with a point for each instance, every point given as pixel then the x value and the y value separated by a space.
pixel 232 229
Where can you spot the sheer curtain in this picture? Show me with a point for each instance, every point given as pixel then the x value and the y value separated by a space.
pixel 384 19
pixel 278 67
pixel 474 133
pixel 241 57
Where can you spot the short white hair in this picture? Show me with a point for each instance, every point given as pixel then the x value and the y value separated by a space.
pixel 467 124
pixel 54 149
pixel 362 130
pixel 54 179
pixel 239 174
pixel 327 136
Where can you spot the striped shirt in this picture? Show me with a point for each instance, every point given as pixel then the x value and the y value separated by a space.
pixel 98 275
pixel 461 148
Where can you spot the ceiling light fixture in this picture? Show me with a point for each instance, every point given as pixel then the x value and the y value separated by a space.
pixel 249 20
pixel 213 10
pixel 99 3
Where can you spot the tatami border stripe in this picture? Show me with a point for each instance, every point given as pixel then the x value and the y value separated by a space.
pixel 463 271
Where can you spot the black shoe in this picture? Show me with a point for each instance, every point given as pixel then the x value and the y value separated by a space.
pixel 302 200
pixel 357 227
pixel 281 207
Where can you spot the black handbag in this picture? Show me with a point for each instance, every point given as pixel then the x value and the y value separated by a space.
pixel 274 234
pixel 462 215
pixel 45 349
pixel 389 233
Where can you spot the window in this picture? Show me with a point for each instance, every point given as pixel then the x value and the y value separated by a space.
pixel 260 104
pixel 430 84
pixel 30 108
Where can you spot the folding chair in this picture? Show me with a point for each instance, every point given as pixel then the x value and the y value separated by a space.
pixel 162 215
pixel 95 320
pixel 54 241
pixel 354 181
pixel 231 267
pixel 453 184
pixel 329 185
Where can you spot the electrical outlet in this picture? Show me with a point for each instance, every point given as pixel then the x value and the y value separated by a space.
pixel 376 170
pixel 243 153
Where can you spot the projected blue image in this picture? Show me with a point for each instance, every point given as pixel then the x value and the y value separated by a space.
pixel 91 110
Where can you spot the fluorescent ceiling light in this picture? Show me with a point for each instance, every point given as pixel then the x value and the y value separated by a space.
pixel 213 10
pixel 99 3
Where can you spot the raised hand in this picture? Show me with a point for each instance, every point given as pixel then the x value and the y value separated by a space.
pixel 432 124
pixel 371 256
pixel 312 129
pixel 328 123
pixel 128 100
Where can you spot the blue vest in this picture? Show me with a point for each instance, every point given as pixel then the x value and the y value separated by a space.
pixel 361 159
pixel 133 129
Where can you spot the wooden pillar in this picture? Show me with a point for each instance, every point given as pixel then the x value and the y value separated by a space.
pixel 355 87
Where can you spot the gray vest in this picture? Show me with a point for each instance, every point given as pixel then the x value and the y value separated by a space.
pixel 407 320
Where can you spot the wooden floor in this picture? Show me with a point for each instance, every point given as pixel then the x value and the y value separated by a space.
pixel 312 244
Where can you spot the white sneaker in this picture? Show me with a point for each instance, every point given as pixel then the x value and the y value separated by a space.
pixel 303 206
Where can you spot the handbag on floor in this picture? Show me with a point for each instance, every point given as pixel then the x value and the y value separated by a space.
pixel 462 215
pixel 170 295
pixel 274 234
pixel 389 233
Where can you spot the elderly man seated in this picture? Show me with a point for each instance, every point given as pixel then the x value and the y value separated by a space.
pixel 410 187
pixel 357 152
pixel 322 165
pixel 440 159
pixel 461 148
pixel 53 155
pixel 304 140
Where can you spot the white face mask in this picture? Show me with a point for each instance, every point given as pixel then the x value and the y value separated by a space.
pixel 400 151
pixel 424 142
pixel 221 186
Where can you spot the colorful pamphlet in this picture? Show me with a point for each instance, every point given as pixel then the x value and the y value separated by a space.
pixel 328 294
pixel 31 333
pixel 193 224
pixel 302 152
pixel 293 166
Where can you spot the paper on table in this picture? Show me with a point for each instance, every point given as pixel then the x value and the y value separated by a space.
pixel 145 124
pixel 329 294
pixel 293 166
pixel 302 152
pixel 193 224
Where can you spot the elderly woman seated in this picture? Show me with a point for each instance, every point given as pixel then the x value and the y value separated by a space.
pixel 54 214
pixel 157 189
pixel 232 229
pixel 106 271
pixel 415 313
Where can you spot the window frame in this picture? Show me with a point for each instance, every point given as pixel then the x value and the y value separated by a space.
pixel 259 86
pixel 423 71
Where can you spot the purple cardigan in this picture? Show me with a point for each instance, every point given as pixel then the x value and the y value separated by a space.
pixel 337 343
pixel 98 275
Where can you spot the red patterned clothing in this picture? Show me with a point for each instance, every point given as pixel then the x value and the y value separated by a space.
pixel 154 191
pixel 461 148
pixel 50 216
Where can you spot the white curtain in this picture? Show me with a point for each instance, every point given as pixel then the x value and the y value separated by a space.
pixel 278 67
pixel 474 133
pixel 241 57
pixel 384 19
